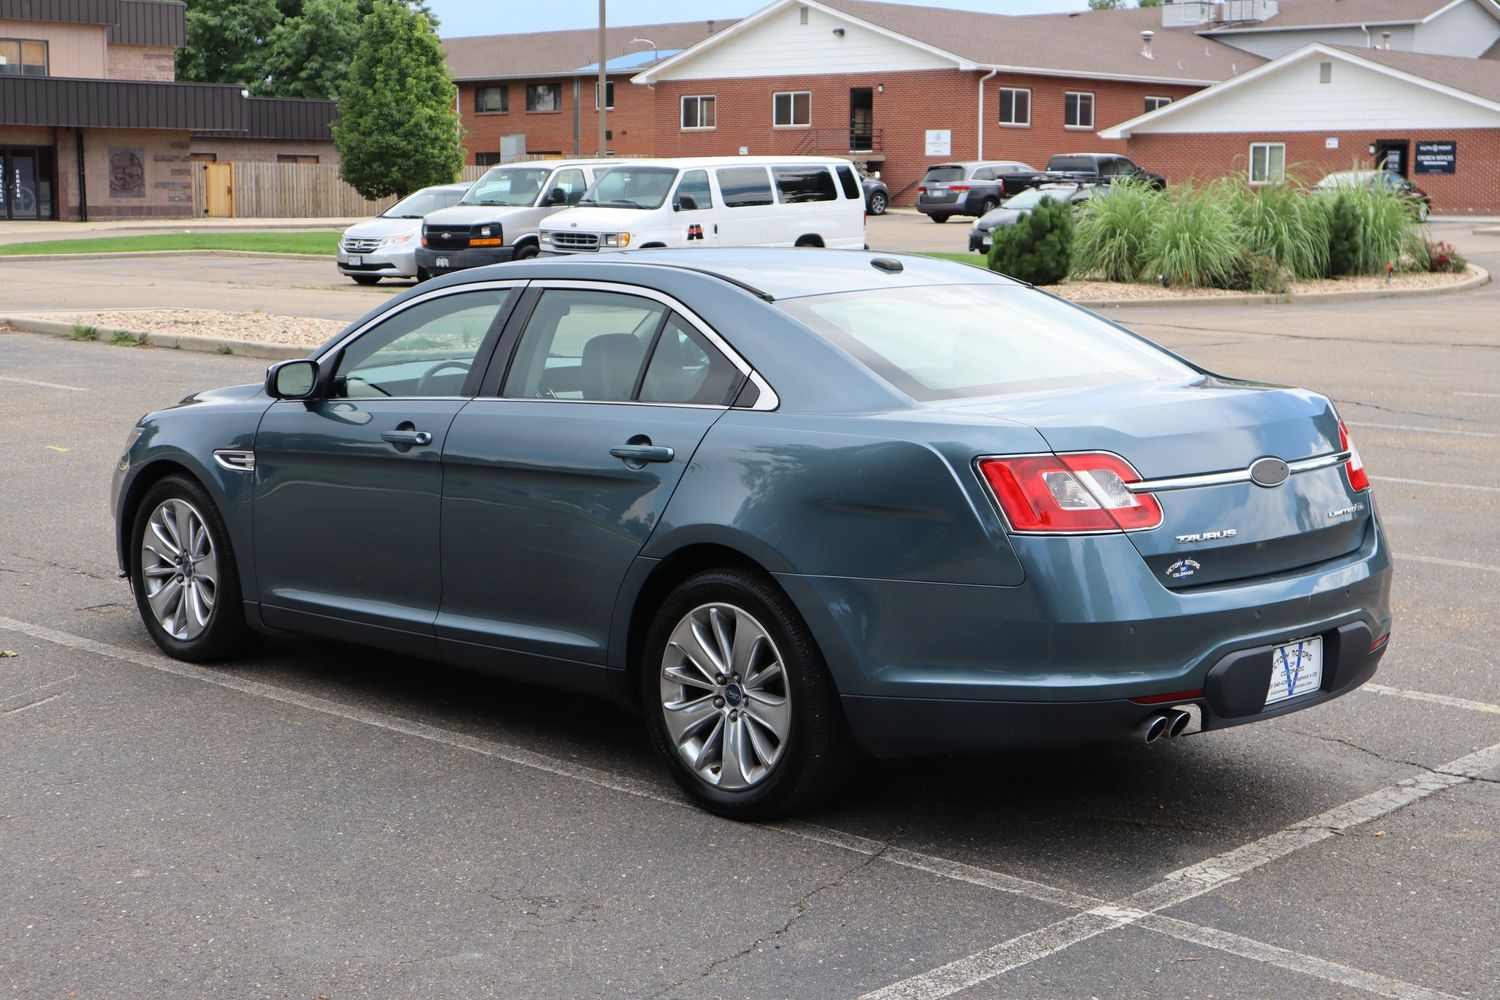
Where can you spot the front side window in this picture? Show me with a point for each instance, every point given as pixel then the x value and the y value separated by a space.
pixel 699 112
pixel 584 345
pixel 1015 106
pixel 1078 110
pixel 1267 162
pixel 425 350
pixel 543 97
pixel 935 343
pixel 511 187
pixel 20 57
pixel 492 100
pixel 793 107
pixel 629 186
pixel 693 193
pixel 571 183
pixel 797 184
pixel 744 187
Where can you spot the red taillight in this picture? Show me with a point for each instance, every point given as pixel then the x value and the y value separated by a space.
pixel 921 190
pixel 958 187
pixel 1069 493
pixel 1359 480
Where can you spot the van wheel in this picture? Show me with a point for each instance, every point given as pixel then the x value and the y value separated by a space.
pixel 987 206
pixel 939 219
pixel 423 274
pixel 526 251
pixel 365 279
pixel 810 241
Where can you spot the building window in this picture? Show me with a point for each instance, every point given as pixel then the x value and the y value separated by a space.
pixel 304 158
pixel 1325 72
pixel 792 108
pixel 19 57
pixel 1152 103
pixel 491 100
pixel 1078 110
pixel 609 95
pixel 699 112
pixel 543 97
pixel 486 159
pixel 1015 106
pixel 1267 162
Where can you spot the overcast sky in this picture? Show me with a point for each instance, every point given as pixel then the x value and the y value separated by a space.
pixel 493 17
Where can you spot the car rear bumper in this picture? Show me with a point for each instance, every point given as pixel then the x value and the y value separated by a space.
pixel 436 262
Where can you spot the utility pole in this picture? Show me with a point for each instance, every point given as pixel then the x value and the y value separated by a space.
pixel 602 95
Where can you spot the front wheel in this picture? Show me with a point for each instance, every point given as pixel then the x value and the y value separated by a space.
pixel 739 702
pixel 526 251
pixel 987 206
pixel 184 575
pixel 365 279
pixel 938 218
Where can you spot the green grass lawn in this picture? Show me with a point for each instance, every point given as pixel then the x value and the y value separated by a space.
pixel 311 243
pixel 974 259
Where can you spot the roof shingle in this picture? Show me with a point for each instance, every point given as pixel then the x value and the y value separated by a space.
pixel 556 53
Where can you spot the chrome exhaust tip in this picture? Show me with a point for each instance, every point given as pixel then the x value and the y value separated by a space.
pixel 1152 728
pixel 1178 723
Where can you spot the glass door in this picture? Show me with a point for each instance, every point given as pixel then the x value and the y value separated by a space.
pixel 27 184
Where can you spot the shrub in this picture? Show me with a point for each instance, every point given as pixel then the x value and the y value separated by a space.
pixel 1283 224
pixel 1035 249
pixel 1197 241
pixel 1113 230
pixel 1255 272
pixel 1343 233
pixel 1370 228
pixel 1443 257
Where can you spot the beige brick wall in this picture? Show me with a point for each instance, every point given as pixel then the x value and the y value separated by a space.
pixel 133 173
pixel 263 150
pixel 141 62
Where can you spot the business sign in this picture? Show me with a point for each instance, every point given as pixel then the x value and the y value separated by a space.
pixel 1436 158
pixel 939 142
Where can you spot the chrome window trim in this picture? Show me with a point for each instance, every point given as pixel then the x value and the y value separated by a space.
pixel 768 399
pixel 1233 476
pixel 437 293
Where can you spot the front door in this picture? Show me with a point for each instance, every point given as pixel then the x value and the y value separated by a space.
pixel 555 484
pixel 348 486
pixel 26 192
pixel 1390 155
pixel 861 119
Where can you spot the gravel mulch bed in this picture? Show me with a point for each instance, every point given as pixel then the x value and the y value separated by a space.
pixel 1093 291
pixel 265 328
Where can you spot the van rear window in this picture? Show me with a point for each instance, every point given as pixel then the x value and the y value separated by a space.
pixel 795 184
pixel 744 187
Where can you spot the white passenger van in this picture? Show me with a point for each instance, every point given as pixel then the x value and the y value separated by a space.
pixel 734 201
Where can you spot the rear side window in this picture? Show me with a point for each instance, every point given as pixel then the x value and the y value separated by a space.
pixel 849 183
pixel 686 368
pixel 743 187
pixel 943 174
pixel 948 342
pixel 797 184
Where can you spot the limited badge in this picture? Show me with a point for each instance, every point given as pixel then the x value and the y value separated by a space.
pixel 1183 568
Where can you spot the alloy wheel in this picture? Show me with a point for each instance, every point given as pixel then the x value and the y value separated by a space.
pixel 179 569
pixel 725 697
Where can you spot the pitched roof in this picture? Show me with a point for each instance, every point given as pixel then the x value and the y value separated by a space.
pixel 1479 77
pixel 1318 13
pixel 1093 43
pixel 561 53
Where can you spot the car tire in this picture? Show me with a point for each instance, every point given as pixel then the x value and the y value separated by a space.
pixel 780 674
pixel 423 274
pixel 187 554
pixel 366 279
pixel 987 206
pixel 939 219
pixel 526 251
pixel 878 203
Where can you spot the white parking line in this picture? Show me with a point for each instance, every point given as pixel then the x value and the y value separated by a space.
pixel 1457 563
pixel 1429 430
pixel 1095 918
pixel 1429 482
pixel 1436 699
pixel 44 385
pixel 1484 395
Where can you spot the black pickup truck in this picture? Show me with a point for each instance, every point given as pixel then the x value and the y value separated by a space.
pixel 973 187
pixel 1100 168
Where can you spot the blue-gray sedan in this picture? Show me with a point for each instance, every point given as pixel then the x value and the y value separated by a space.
pixel 791 504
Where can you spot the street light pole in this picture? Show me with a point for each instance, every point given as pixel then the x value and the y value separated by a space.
pixel 602 95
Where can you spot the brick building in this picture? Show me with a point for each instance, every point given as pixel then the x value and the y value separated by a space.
pixel 541 86
pixel 93 125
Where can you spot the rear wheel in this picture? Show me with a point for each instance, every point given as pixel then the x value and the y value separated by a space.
pixel 987 206
pixel 184 575
pixel 739 702
pixel 938 218
pixel 365 279
pixel 879 203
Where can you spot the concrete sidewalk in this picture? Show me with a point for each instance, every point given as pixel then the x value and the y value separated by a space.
pixel 31 232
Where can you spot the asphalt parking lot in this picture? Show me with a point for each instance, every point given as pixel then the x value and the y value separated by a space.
pixel 328 821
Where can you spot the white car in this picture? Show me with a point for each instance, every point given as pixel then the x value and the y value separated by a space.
pixel 736 201
pixel 386 246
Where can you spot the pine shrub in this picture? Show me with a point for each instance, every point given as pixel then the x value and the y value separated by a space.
pixel 1037 248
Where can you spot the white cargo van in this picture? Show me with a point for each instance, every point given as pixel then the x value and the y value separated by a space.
pixel 736 201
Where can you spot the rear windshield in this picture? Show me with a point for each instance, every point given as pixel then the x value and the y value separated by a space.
pixel 941 175
pixel 954 341
pixel 1073 164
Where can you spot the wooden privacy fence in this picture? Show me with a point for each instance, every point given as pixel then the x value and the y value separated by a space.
pixel 284 191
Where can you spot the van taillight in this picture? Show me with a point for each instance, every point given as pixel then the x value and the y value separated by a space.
pixel 921 190
pixel 1359 480
pixel 1069 493
pixel 958 187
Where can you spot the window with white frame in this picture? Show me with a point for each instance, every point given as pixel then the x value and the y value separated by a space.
pixel 1152 103
pixel 1267 162
pixel 699 111
pixel 1078 109
pixel 792 107
pixel 609 95
pixel 1015 106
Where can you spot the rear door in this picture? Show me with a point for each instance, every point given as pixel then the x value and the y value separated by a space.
pixel 747 218
pixel 556 479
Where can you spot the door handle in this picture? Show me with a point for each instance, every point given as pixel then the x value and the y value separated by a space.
pixel 407 438
pixel 639 454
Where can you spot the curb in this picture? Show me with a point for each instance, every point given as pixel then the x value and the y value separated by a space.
pixel 1478 276
pixel 171 341
pixel 116 254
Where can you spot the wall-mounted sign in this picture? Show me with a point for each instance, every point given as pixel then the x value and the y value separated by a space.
pixel 1332 142
pixel 1436 158
pixel 939 142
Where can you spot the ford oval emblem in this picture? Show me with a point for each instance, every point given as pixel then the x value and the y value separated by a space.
pixel 1269 472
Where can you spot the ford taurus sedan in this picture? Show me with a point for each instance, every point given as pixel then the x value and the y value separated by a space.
pixel 791 504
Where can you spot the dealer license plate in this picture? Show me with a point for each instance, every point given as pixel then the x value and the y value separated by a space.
pixel 1296 669
pixel 355 260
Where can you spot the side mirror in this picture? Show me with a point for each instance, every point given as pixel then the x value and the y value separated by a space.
pixel 686 203
pixel 292 379
pixel 557 196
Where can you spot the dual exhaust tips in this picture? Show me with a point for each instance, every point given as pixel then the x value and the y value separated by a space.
pixel 1163 725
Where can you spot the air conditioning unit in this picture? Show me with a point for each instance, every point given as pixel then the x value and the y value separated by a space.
pixel 1194 13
